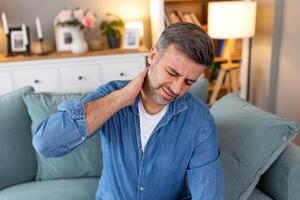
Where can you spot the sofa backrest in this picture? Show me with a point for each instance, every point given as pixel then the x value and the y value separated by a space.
pixel 17 158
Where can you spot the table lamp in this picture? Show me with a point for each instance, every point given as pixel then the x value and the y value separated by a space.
pixel 234 20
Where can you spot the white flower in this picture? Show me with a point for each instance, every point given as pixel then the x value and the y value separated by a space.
pixel 78 13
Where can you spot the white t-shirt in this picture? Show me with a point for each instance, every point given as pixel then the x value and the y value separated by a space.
pixel 148 122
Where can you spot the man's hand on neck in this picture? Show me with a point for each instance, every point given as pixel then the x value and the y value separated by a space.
pixel 133 88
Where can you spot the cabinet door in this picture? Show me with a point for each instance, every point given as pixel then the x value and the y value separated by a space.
pixel 5 83
pixel 122 70
pixel 80 79
pixel 43 80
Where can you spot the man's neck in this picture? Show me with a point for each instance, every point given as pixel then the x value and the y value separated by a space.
pixel 147 100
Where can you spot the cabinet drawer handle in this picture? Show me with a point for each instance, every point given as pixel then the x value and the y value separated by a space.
pixel 36 81
pixel 80 77
pixel 122 74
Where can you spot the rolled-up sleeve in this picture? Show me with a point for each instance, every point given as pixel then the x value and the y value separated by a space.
pixel 63 131
pixel 205 173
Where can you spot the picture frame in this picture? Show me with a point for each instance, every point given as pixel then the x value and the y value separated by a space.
pixel 15 41
pixel 131 38
pixel 65 36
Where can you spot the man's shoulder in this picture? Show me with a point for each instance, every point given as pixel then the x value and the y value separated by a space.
pixel 196 105
pixel 112 86
pixel 198 111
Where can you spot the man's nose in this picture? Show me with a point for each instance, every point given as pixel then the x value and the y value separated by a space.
pixel 177 86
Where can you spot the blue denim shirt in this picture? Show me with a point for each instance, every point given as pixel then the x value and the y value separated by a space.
pixel 181 159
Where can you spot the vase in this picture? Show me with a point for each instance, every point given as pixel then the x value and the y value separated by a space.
pixel 113 41
pixel 70 38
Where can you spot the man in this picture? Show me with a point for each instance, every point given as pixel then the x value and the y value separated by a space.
pixel 158 141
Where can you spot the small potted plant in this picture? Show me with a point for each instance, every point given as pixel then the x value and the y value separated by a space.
pixel 111 29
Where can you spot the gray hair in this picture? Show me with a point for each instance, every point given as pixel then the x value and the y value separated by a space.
pixel 189 39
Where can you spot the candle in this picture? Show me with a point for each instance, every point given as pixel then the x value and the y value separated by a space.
pixel 25 39
pixel 39 28
pixel 4 21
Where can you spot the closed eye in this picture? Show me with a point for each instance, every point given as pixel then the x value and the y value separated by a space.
pixel 170 73
pixel 188 82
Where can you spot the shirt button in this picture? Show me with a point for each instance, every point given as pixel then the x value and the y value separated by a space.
pixel 82 138
pixel 141 188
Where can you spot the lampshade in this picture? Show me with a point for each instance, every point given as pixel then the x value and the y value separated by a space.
pixel 136 25
pixel 231 19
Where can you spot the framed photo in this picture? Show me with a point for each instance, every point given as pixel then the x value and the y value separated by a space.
pixel 131 39
pixel 63 38
pixel 16 41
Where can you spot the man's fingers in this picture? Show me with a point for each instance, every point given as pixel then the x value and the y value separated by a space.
pixel 143 73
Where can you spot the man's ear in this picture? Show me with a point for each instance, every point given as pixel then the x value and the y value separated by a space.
pixel 153 55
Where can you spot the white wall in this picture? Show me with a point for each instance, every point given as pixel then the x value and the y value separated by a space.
pixel 275 82
pixel 288 91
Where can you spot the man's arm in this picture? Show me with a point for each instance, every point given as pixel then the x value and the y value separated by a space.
pixel 99 111
pixel 63 131
pixel 205 173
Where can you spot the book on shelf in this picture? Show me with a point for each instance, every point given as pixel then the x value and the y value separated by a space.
pixel 173 17
pixel 178 16
pixel 195 19
pixel 167 19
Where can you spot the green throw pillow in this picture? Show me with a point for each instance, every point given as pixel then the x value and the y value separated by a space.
pixel 84 161
pixel 250 141
pixel 18 162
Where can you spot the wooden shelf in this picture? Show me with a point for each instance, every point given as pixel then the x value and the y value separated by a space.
pixel 62 55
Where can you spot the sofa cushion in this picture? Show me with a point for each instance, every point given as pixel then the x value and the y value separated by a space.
pixel 84 161
pixel 200 89
pixel 258 195
pixel 63 189
pixel 250 140
pixel 18 162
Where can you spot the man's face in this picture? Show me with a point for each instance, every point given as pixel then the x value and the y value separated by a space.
pixel 171 74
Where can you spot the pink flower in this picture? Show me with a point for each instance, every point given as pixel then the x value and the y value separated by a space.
pixel 89 20
pixel 64 16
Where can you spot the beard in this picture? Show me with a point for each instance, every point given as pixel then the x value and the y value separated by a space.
pixel 154 87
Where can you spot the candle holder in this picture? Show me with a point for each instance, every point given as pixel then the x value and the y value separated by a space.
pixel 43 52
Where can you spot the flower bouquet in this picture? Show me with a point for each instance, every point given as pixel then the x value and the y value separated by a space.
pixel 69 26
pixel 76 17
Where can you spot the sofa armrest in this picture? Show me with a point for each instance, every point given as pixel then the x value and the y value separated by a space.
pixel 282 179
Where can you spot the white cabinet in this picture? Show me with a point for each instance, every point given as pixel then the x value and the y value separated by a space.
pixel 75 74
pixel 80 78
pixel 5 82
pixel 120 70
pixel 41 79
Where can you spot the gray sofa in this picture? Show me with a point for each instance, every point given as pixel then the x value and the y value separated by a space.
pixel 26 175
